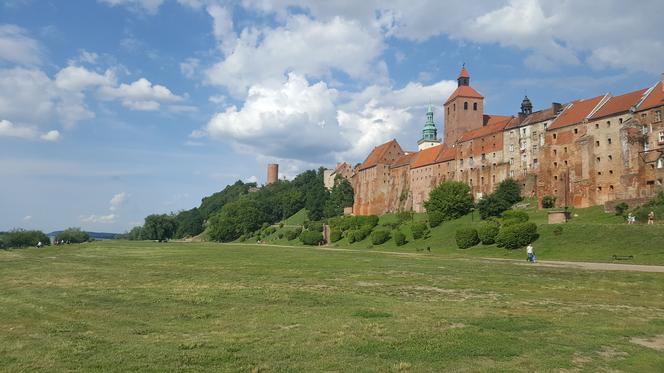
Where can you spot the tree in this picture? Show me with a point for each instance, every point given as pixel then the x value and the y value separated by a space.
pixel 452 199
pixel 341 196
pixel 73 235
pixel 509 190
pixel 189 223
pixel 159 227
pixel 22 238
pixel 492 205
pixel 243 216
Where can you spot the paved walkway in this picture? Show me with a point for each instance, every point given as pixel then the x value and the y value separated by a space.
pixel 541 263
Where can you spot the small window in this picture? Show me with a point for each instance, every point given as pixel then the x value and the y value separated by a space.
pixel 555 151
pixel 511 161
pixel 597 143
pixel 608 123
pixel 576 131
pixel 565 163
pixel 465 105
pixel 511 173
pixel 555 164
pixel 454 106
pixel 620 120
pixel 554 136
pixel 610 157
pixel 611 188
pixel 448 110
pixel 660 162
pixel 599 188
pixel 596 125
pixel 598 159
pixel 660 136
pixel 555 177
pixel 610 172
pixel 599 173
pixel 475 106
pixel 658 116
pixel 609 141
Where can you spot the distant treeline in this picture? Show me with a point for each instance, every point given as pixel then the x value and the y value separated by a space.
pixel 242 208
pixel 18 238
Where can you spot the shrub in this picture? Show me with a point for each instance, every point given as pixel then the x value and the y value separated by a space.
pixel 492 205
pixel 403 216
pixel 22 238
pixel 311 238
pixel 316 226
pixel 487 232
pixel 509 190
pixel 558 230
pixel 242 238
pixel 420 230
pixel 435 218
pixel 380 236
pixel 391 225
pixel 466 237
pixel 281 225
pixel 293 234
pixel 514 217
pixel 548 202
pixel 399 238
pixel 452 199
pixel 73 235
pixel 358 234
pixel 349 223
pixel 621 208
pixel 335 235
pixel 517 235
pixel 280 235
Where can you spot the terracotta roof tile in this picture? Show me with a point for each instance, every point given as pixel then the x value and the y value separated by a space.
pixel 427 156
pixel 447 154
pixel 492 119
pixel 575 112
pixel 404 160
pixel 376 155
pixel 464 73
pixel 494 124
pixel 654 98
pixel 464 91
pixel 619 104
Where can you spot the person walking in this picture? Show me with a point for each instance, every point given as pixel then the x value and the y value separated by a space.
pixel 651 217
pixel 531 253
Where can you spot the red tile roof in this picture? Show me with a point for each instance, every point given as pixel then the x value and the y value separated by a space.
pixel 464 91
pixel 377 154
pixel 447 154
pixel 575 112
pixel 654 98
pixel 464 73
pixel 427 156
pixel 619 104
pixel 404 160
pixel 494 124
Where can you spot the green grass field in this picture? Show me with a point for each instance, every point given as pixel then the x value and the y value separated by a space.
pixel 141 306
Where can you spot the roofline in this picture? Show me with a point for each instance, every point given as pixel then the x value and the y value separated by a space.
pixel 602 102
pixel 645 96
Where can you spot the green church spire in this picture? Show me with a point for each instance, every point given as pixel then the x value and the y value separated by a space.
pixel 429 132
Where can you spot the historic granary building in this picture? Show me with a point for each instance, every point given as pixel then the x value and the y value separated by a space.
pixel 588 152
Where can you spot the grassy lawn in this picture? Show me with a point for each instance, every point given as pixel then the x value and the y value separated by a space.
pixel 139 306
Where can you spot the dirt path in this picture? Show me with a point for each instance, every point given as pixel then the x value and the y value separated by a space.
pixel 541 263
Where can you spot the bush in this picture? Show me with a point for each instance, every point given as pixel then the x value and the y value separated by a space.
pixel 349 223
pixel 73 235
pixel 517 235
pixel 335 235
pixel 558 230
pixel 22 238
pixel 420 230
pixel 316 226
pixel 280 235
pixel 621 208
pixel 452 199
pixel 509 190
pixel 311 238
pixel 435 218
pixel 399 238
pixel 358 234
pixel 380 236
pixel 404 216
pixel 548 202
pixel 466 237
pixel 487 232
pixel 293 234
pixel 514 217
pixel 492 205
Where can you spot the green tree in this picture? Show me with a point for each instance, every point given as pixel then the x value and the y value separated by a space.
pixel 73 235
pixel 189 223
pixel 341 196
pixel 452 199
pixel 17 238
pixel 243 216
pixel 492 205
pixel 509 190
pixel 159 227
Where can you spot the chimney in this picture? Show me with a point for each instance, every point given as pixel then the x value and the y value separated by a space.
pixel 556 107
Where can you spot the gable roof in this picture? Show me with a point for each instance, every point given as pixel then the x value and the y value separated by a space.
pixel 619 104
pixel 575 112
pixel 655 97
pixel 377 154
pixel 464 91
pixel 426 157
pixel 494 124
pixel 447 154
pixel 404 160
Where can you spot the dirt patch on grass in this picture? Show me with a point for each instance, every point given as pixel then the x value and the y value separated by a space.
pixel 611 353
pixel 656 342
pixel 579 359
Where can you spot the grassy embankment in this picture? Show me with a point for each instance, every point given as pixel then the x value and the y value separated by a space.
pixel 142 306
pixel 591 235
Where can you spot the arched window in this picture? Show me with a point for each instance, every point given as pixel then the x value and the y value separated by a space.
pixel 465 105
pixel 475 106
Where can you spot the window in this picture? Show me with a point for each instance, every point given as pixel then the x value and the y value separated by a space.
pixel 608 123
pixel 646 146
pixel 599 188
pixel 597 143
pixel 511 173
pixel 494 155
pixel 620 120
pixel 554 136
pixel 610 172
pixel 523 131
pixel 555 177
pixel 511 161
pixel 610 157
pixel 611 188
pixel 658 116
pixel 565 150
pixel 483 156
pixel 576 130
pixel 599 173
pixel 555 164
pixel 660 162
pixel 454 106
pixel 465 105
pixel 596 125
pixel 448 110
pixel 660 137
pixel 565 163
pixel 555 151
pixel 511 134
pixel 598 159
pixel 475 106
pixel 511 148
pixel 609 141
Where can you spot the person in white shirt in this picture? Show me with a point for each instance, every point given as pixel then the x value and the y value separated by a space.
pixel 531 254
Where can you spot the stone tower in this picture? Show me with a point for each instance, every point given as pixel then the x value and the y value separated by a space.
pixel 526 107
pixel 272 173
pixel 464 110
pixel 429 132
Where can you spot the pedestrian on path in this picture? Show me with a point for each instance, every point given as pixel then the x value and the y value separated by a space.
pixel 531 253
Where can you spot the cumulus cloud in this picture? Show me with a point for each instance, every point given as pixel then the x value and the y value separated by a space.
pixel 118 200
pixel 189 67
pixel 303 45
pixel 149 6
pixel 17 47
pixel 139 95
pixel 98 219
pixel 9 129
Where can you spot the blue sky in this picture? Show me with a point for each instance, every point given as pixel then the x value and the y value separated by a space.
pixel 114 109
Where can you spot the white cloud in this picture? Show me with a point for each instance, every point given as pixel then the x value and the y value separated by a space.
pixel 149 6
pixel 76 78
pixel 304 46
pixel 9 129
pixel 217 99
pixel 101 219
pixel 189 67
pixel 251 179
pixel 27 218
pixel 222 26
pixel 118 200
pixel 139 95
pixel 17 47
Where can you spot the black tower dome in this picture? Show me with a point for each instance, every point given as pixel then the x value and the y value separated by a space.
pixel 526 106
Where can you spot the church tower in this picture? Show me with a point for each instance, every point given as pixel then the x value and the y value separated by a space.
pixel 464 110
pixel 429 132
pixel 526 107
